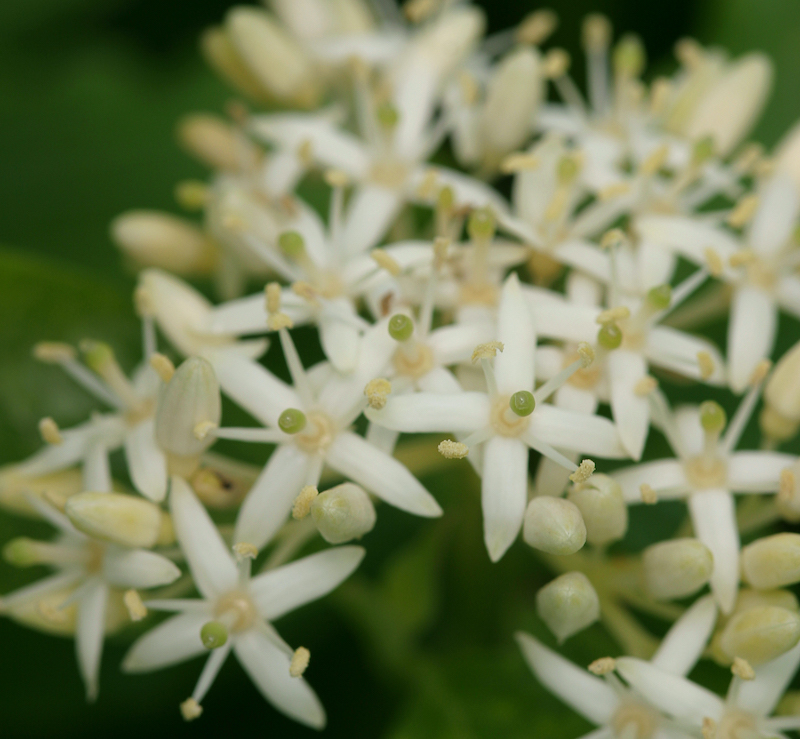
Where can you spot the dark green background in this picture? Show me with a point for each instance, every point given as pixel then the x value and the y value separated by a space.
pixel 419 643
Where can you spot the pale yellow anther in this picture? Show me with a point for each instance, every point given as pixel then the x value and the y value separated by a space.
pixel 787 484
pixel 133 602
pixel 163 366
pixel 764 168
pixel 470 90
pixel 586 354
pixel 450 449
pixel 645 386
pixel 742 258
pixel 302 503
pixel 192 194
pixel 612 315
pixel 556 63
pixel 536 27
pixel 596 33
pixel 386 261
pixel 519 162
pixel 50 432
pixel 143 302
pixel 603 666
pixel 377 392
pixel 53 352
pixel 336 178
pixel 612 239
pixel 744 211
pixel 714 262
pixel 760 372
pixel 441 244
pixel 277 321
pixel 273 296
pixel 305 152
pixel 583 473
pixel 749 158
pixel 705 364
pixel 191 709
pixel 649 496
pixel 486 351
pixel 654 161
pixel 742 669
pixel 306 291
pixel 244 550
pixel 428 188
pixel 203 429
pixel 709 728
pixel 616 190
pixel 299 663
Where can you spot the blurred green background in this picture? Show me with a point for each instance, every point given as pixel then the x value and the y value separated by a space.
pixel 419 644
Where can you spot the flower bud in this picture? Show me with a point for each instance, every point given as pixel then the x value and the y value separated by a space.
pixel 781 415
pixel 772 562
pixel 124 519
pixel 16 488
pixel 749 598
pixel 212 140
pixel 676 568
pixel 603 508
pixel 760 634
pixel 190 399
pixel 343 513
pixel 154 239
pixel 554 525
pixel 568 604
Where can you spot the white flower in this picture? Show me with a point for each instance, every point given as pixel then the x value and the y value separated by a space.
pixel 234 612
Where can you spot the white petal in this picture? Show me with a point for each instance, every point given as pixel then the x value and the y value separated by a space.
pixel 370 215
pixel 558 319
pixel 382 438
pixel 269 501
pixel 137 568
pixel 656 265
pixel 585 257
pixel 454 344
pixel 590 696
pixel 340 338
pixel 381 474
pixel 175 640
pixel 282 590
pixel 514 366
pixel 662 473
pixel 425 412
pixel 57 457
pixel 96 469
pixel 689 429
pixel 583 290
pixel 209 559
pixel 670 693
pixel 631 411
pixel 778 207
pixel 757 472
pixel 787 293
pixel 580 432
pixel 29 594
pixel 677 351
pixel 439 380
pixel 254 388
pixel 504 493
pixel 751 333
pixel 89 634
pixel 468 191
pixel 685 642
pixel 268 667
pixel 146 462
pixel 714 521
pixel 761 695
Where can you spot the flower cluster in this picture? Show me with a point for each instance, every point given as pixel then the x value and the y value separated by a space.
pixel 562 320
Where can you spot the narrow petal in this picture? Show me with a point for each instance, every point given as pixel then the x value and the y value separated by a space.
pixel 673 694
pixel 757 472
pixel 504 492
pixel 689 429
pixel 439 380
pixel 146 462
pixel 590 696
pixel 779 204
pixel 209 559
pixel 269 501
pixel 175 640
pixel 751 333
pixel 40 589
pixel 282 590
pixel 89 634
pixel 659 474
pixel 677 351
pixel 655 264
pixel 454 344
pixel 96 468
pixel 138 568
pixel 370 215
pixel 685 642
pixel 762 694
pixel 268 667
pixel 714 521
pixel 57 457
pixel 514 366
pixel 467 190
pixel 558 319
pixel 381 474
pixel 787 294
pixel 580 432
pixel 688 237
pixel 631 411
pixel 340 339
pixel 425 412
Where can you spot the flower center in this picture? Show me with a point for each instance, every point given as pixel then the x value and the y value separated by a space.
pixel 586 378
pixel 737 725
pixel 706 472
pixel 143 410
pixel 759 274
pixel 236 610
pixel 634 721
pixel 413 361
pixel 329 285
pixel 474 292
pixel 390 174
pixel 95 553
pixel 318 433
pixel 504 421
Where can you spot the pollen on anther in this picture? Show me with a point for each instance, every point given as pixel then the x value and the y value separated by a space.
pixel 133 602
pixel 302 503
pixel 191 709
pixel 203 429
pixel 742 669
pixel 649 496
pixel 450 449
pixel 377 391
pixel 336 178
pixel 705 364
pixel 603 666
pixel 386 261
pixel 272 293
pixel 645 386
pixel 612 239
pixel 787 484
pixel 243 550
pixel 586 354
pixel 584 472
pixel 163 366
pixel 518 162
pixel 299 663
pixel 486 351
pixel 744 211
pixel 713 262
pixel 50 432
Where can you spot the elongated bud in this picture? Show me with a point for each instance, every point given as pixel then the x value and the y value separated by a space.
pixel 212 140
pixel 154 239
pixel 343 513
pixel 760 634
pixel 222 56
pixel 568 604
pixel 603 508
pixel 124 519
pixel 772 562
pixel 750 598
pixel 781 415
pixel 554 525
pixel 191 398
pixel 676 568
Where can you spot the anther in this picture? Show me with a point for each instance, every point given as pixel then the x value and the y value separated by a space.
pixel 276 320
pixel 299 662
pixel 386 261
pixel 302 503
pixel 556 63
pixel 517 162
pixel 709 728
pixel 649 496
pixel 741 668
pixel 760 372
pixel 50 432
pixel 706 364
pixel 133 602
pixel 744 211
pixel 645 386
pixel 486 351
pixel 191 709
pixel 53 352
pixel 714 262
pixel 450 449
pixel 377 391
pixel 603 666
pixel 163 366
pixel 536 27
pixel 596 33
pixel 583 473
pixel 192 195
pixel 742 258
pixel 292 421
pixel 615 190
pixel 654 161
pixel 629 56
pixel 306 291
pixel 586 354
pixel 401 327
pixel 336 178
pixel 243 551
pixel 203 429
pixel 612 239
pixel 213 635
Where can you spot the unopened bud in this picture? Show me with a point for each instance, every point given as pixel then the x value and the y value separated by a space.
pixel 212 140
pixel 676 568
pixel 603 508
pixel 760 634
pixel 568 604
pixel 772 562
pixel 554 525
pixel 782 391
pixel 124 519
pixel 343 513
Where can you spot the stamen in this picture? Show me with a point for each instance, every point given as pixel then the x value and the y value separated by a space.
pixel 486 351
pixel 337 180
pixel 191 709
pixel 450 449
pixel 514 163
pixel 706 365
pixel 742 258
pixel 741 668
pixel 583 473
pixel 645 386
pixel 100 358
pixel 556 65
pixel 276 320
pixel 136 608
pixel 744 211
pixel 649 496
pixel 663 417
pixel 714 262
pixel 554 383
pixel 654 161
pixel 296 369
pixel 709 729
pixel 302 503
pixel 163 366
pixel 243 551
pixel 615 190
pixel 53 352
pixel 258 435
pixel 611 242
pixel 203 429
pixel 299 663
pixel 50 432
pixel 377 391
pixel 536 27
pixel 746 408
pixel 596 40
pixel 440 246
pixel 386 261
pixel 192 195
pixel 603 666
pixel 683 291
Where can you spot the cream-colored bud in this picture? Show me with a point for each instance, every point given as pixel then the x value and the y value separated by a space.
pixel 782 391
pixel 343 513
pixel 154 239
pixel 750 598
pixel 568 604
pixel 772 562
pixel 124 519
pixel 221 55
pixel 190 398
pixel 760 634
pixel 554 525
pixel 212 140
pixel 676 568
pixel 603 508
